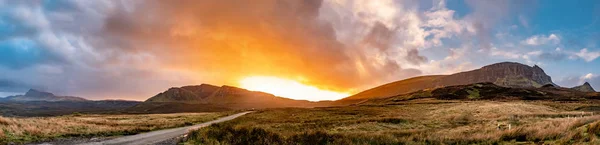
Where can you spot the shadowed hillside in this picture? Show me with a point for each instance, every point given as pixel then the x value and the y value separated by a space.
pixel 488 91
pixel 205 97
pixel 38 103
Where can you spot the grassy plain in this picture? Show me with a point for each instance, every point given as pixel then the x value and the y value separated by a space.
pixel 33 129
pixel 421 121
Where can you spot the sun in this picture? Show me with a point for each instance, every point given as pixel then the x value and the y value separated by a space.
pixel 289 89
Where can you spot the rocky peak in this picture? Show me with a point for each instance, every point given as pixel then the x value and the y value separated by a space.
pixel 586 87
pixel 36 93
pixel 517 70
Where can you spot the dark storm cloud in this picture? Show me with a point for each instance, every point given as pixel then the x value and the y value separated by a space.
pixel 10 86
pixel 380 37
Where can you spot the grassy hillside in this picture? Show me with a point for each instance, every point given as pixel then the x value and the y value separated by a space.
pixel 415 122
pixel 24 130
pixel 206 97
pixel 397 88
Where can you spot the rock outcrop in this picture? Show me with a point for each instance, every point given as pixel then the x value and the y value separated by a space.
pixel 508 74
pixel 586 87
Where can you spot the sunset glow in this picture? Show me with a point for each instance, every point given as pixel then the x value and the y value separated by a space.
pixel 289 89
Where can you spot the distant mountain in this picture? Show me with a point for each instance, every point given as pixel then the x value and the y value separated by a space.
pixel 46 108
pixel 207 97
pixel 35 95
pixel 39 103
pixel 506 74
pixel 586 87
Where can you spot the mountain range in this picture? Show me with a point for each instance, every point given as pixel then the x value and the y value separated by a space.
pixel 506 79
pixel 505 74
pixel 39 103
pixel 35 95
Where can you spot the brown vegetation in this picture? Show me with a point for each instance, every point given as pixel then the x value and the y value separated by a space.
pixel 23 130
pixel 465 122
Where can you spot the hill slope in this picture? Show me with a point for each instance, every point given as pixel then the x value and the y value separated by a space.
pixel 186 94
pixel 507 74
pixel 207 97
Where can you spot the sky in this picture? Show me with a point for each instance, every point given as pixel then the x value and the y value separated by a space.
pixel 134 49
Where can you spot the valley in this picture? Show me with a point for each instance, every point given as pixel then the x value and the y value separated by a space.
pixel 503 103
pixel 299 72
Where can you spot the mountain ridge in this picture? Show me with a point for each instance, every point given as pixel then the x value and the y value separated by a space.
pixel 206 97
pixel 35 95
pixel 506 74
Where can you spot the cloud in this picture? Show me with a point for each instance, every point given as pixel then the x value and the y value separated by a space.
pixel 440 24
pixel 541 40
pixel 586 55
pixel 506 54
pixel 285 39
pixel 485 16
pixel 134 49
pixel 414 57
pixel 552 56
pixel 10 86
pixel 110 49
pixel 58 47
pixel 588 76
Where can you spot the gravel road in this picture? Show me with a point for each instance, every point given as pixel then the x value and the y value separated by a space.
pixel 160 136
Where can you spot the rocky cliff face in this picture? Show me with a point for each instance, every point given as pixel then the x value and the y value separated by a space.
pixel 508 74
pixel 586 87
pixel 35 95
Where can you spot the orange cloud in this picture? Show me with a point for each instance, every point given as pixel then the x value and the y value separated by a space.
pixel 224 41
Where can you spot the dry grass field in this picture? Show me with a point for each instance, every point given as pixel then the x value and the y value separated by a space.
pixel 32 129
pixel 415 122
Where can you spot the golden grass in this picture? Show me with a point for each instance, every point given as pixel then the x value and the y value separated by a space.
pixel 22 130
pixel 469 122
